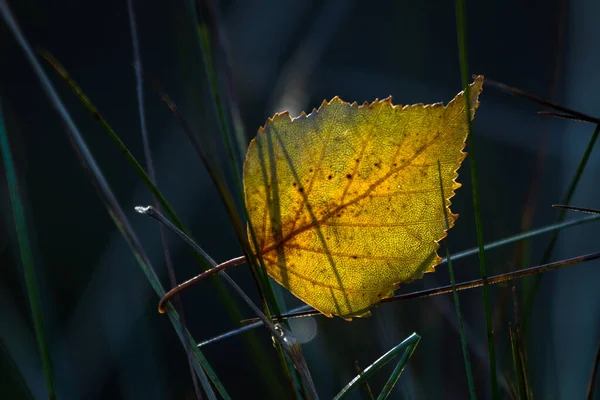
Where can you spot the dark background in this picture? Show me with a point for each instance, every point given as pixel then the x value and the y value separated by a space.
pixel 106 338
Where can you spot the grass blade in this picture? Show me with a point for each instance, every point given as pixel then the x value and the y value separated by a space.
pixel 389 385
pixel 364 384
pixel 209 32
pixel 27 259
pixel 280 333
pixel 461 27
pixel 592 384
pixel 87 103
pixel 521 348
pixel 205 19
pixel 16 386
pixel 530 295
pixel 516 363
pixel 571 190
pixel 148 181
pixel 461 330
pixel 408 346
pixel 224 296
pixel 107 197
pixel 150 166
pixel 206 22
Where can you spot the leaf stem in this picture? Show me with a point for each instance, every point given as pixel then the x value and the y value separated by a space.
pixel 461 26
pixel 463 338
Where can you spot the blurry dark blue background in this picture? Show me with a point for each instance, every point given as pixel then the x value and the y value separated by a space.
pixel 107 339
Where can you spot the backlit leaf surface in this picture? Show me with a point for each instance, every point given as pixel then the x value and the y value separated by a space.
pixel 345 202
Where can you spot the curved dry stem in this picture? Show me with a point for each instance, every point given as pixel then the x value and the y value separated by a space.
pixel 198 278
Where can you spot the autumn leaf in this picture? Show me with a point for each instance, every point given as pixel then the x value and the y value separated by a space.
pixel 346 203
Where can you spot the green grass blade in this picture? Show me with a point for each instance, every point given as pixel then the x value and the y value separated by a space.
pixel 530 295
pixel 575 182
pixel 206 22
pixel 12 383
pixel 204 261
pixel 461 27
pixel 521 353
pixel 461 330
pixel 27 259
pixel 87 103
pixel 207 30
pixel 151 173
pixel 108 198
pixel 206 26
pixel 408 346
pixel 389 385
pixel 365 384
pixel 148 181
pixel 280 333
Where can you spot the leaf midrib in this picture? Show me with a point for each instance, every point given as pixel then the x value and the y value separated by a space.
pixel 360 197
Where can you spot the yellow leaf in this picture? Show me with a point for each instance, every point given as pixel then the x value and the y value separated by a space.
pixel 346 203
